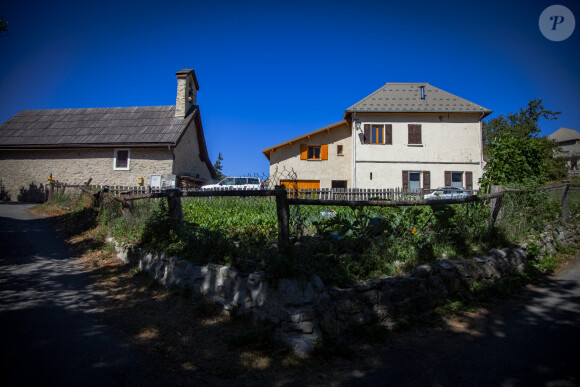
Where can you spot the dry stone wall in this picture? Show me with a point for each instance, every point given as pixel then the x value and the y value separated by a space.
pixel 302 311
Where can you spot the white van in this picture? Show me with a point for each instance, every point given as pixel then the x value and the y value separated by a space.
pixel 236 183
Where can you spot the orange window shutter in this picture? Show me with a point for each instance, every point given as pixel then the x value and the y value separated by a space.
pixel 303 151
pixel 324 152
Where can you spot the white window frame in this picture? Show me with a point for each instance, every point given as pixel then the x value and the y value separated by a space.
pixel 128 159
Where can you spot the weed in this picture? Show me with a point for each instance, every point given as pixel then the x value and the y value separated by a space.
pixel 452 308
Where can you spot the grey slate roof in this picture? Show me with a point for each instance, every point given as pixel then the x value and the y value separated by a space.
pixel 146 126
pixel 406 97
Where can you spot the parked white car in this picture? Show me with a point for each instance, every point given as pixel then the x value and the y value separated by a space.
pixel 447 193
pixel 236 183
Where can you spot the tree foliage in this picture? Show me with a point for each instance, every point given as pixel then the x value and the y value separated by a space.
pixel 3 26
pixel 219 167
pixel 517 155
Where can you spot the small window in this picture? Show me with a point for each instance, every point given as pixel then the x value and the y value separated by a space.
pixel 457 179
pixel 377 134
pixel 339 150
pixel 122 159
pixel 414 134
pixel 314 152
pixel 414 181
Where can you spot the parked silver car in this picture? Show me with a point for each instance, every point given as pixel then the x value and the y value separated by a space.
pixel 236 183
pixel 447 193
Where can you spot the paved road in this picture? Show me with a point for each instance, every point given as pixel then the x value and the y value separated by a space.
pixel 50 333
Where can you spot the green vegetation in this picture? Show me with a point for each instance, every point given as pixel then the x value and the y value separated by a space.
pixel 342 245
pixel 218 166
pixel 517 155
pixel 4 193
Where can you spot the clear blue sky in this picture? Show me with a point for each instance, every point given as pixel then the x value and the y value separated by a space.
pixel 273 70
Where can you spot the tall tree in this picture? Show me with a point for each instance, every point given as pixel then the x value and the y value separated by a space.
pixel 218 166
pixel 524 124
pixel 517 155
pixel 3 26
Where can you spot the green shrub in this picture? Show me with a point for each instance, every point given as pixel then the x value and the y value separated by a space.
pixel 4 193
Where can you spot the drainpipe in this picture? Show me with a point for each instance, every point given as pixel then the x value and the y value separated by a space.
pixel 353 147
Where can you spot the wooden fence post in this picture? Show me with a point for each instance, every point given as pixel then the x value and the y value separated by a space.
pixel 50 190
pixel 565 196
pixel 283 212
pixel 174 204
pixel 495 204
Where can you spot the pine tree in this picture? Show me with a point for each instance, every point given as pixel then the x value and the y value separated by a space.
pixel 218 166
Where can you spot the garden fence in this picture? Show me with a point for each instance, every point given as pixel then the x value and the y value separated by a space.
pixel 289 206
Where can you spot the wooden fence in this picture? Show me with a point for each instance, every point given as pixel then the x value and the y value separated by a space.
pixel 284 198
pixel 391 194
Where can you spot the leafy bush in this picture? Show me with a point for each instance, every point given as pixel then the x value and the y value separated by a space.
pixel 33 194
pixel 4 193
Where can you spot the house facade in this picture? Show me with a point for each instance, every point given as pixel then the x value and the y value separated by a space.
pixel 114 146
pixel 406 135
pixel 569 142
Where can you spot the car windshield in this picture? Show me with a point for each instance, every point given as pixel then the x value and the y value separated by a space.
pixel 227 181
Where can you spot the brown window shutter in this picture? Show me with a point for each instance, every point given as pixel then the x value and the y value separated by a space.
pixel 367 139
pixel 324 152
pixel 405 180
pixel 426 180
pixel 447 178
pixel 414 134
pixel 388 134
pixel 469 181
pixel 303 151
pixel 418 134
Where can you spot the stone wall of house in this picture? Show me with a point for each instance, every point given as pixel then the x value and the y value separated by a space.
pixel 187 156
pixel 302 311
pixel 20 168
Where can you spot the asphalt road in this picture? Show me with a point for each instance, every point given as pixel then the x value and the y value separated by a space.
pixel 51 334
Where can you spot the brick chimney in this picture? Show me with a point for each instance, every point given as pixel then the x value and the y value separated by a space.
pixel 187 88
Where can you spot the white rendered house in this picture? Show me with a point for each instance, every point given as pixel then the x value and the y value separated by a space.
pixel 407 135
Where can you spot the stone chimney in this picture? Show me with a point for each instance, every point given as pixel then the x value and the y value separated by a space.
pixel 187 88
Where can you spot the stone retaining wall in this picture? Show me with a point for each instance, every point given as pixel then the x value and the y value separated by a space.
pixel 303 310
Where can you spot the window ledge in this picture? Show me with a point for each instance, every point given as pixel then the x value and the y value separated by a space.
pixel 415 145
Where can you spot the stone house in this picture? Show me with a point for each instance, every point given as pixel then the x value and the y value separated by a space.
pixel 407 135
pixel 120 146
pixel 569 142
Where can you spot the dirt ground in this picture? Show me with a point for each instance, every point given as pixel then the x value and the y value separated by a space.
pixel 199 341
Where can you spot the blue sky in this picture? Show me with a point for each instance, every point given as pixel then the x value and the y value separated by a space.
pixel 272 70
